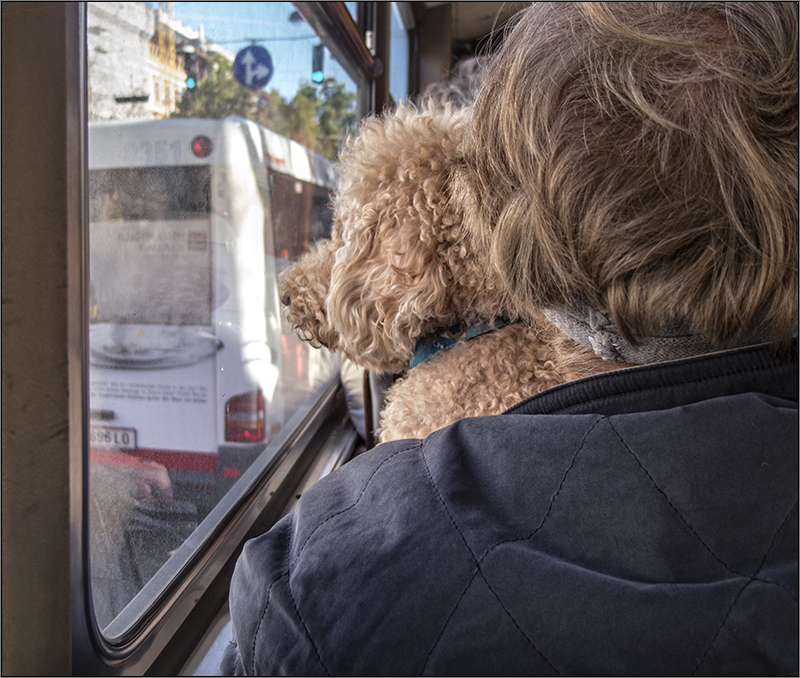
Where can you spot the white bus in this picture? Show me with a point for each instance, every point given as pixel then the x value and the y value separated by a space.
pixel 191 366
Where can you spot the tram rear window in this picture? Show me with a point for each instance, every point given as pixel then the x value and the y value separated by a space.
pixel 150 243
pixel 149 193
pixel 291 198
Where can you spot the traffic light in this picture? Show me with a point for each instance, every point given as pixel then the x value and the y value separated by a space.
pixel 190 66
pixel 317 59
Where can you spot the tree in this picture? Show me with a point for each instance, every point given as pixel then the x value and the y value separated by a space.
pixel 275 113
pixel 305 108
pixel 217 96
pixel 336 116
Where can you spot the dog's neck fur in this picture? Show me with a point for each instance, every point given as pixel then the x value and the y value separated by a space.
pixel 445 337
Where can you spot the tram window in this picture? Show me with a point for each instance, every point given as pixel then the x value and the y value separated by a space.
pixel 398 55
pixel 197 202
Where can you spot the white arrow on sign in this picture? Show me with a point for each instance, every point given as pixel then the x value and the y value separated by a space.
pixel 253 70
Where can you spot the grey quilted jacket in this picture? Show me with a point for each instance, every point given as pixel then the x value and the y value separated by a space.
pixel 639 523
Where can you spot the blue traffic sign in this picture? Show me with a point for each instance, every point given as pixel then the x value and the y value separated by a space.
pixel 253 67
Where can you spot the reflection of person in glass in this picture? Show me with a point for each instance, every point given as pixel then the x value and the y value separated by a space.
pixel 117 482
pixel 149 479
pixel 134 526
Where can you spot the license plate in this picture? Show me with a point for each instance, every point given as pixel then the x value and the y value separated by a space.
pixel 112 438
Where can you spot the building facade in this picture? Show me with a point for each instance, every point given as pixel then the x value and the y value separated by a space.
pixel 137 60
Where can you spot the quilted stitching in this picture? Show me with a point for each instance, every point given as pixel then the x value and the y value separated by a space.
pixel 694 532
pixel 506 611
pixel 478 561
pixel 742 590
pixel 291 562
pixel 688 526
pixel 555 495
pixel 355 502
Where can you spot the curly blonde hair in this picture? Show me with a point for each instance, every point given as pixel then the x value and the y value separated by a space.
pixel 642 157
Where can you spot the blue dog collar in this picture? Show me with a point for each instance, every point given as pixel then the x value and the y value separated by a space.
pixel 442 339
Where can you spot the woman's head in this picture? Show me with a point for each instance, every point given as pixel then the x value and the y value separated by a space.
pixel 642 158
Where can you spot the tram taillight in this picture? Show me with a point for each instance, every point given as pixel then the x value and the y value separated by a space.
pixel 202 146
pixel 244 418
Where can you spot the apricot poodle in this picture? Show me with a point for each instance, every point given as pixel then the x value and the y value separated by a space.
pixel 399 289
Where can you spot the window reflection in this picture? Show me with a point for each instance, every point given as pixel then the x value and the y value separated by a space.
pixel 202 191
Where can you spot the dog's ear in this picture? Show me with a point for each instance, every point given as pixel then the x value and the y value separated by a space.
pixel 402 254
pixel 304 290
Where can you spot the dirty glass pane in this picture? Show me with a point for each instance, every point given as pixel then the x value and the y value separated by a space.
pixel 212 135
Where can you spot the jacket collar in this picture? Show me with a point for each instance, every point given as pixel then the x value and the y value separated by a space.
pixel 762 369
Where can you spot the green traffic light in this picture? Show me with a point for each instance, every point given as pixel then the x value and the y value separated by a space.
pixel 317 62
pixel 190 83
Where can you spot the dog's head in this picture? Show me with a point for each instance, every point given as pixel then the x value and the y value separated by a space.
pixel 398 265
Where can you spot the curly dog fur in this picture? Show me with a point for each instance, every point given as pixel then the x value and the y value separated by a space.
pixel 399 266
